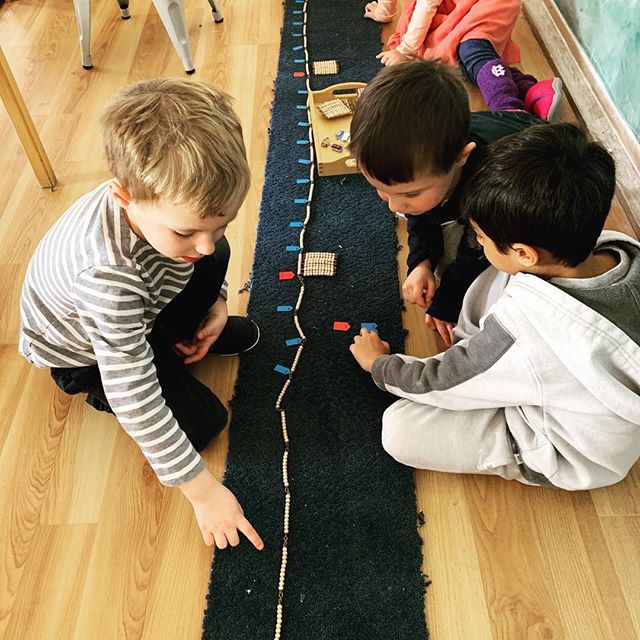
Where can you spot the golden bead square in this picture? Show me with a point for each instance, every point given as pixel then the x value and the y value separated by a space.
pixel 336 108
pixel 320 263
pixel 326 67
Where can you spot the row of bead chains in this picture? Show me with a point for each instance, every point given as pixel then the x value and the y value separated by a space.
pixel 302 338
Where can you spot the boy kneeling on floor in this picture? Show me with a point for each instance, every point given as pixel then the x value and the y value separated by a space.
pixel 542 384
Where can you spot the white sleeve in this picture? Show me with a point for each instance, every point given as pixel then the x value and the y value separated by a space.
pixel 418 27
pixel 485 371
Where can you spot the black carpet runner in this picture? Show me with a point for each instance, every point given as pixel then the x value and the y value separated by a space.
pixel 354 553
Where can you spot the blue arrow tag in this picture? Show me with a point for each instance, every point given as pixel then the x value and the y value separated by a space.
pixel 280 369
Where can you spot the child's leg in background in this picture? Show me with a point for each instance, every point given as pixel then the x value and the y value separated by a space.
pixel 198 411
pixel 507 88
pixel 484 67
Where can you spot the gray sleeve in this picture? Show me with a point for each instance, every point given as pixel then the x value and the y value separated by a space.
pixel 456 366
pixel 111 307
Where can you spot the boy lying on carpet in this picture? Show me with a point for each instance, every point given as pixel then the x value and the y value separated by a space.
pixel 128 286
pixel 417 143
pixel 542 384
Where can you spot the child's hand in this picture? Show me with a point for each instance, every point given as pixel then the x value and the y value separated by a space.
pixel 444 328
pixel 206 335
pixel 371 11
pixel 420 285
pixel 391 57
pixel 367 347
pixel 218 513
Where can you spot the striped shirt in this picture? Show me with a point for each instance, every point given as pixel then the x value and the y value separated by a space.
pixel 91 295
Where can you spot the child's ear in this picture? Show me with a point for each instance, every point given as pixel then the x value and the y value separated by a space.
pixel 119 193
pixel 461 160
pixel 526 255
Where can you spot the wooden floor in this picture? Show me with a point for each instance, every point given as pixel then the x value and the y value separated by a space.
pixel 91 546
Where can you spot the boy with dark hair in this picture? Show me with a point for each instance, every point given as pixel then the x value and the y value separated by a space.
pixel 542 384
pixel 418 144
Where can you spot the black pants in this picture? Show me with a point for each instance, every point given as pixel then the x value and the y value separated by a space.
pixel 198 411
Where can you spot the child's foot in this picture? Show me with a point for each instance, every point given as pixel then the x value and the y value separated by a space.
pixel 544 99
pixel 238 336
pixel 373 12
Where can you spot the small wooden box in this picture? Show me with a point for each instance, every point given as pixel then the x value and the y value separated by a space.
pixel 330 162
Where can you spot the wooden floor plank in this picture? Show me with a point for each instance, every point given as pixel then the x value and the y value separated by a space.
pixel 49 598
pixel 83 510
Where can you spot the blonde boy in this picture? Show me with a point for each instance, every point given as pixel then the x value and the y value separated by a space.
pixel 128 286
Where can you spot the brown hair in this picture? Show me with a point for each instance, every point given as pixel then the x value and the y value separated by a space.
pixel 179 140
pixel 413 117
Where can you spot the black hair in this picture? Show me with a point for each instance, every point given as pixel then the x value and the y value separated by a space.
pixel 547 186
pixel 413 117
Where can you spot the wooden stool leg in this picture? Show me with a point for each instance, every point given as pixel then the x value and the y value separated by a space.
pixel 172 14
pixel 24 126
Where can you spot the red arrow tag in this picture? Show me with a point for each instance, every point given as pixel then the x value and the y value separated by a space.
pixel 286 275
pixel 341 326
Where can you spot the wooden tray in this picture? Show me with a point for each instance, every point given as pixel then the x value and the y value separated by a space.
pixel 330 162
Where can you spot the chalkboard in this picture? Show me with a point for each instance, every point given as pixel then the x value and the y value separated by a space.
pixel 609 32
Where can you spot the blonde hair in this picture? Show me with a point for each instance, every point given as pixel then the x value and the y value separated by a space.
pixel 179 140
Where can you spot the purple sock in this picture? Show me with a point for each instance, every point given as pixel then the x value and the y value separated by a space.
pixel 498 87
pixel 523 80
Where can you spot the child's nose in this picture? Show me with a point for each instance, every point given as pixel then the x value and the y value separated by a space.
pixel 206 246
pixel 393 204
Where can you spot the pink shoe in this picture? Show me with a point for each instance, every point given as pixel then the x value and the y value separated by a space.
pixel 544 99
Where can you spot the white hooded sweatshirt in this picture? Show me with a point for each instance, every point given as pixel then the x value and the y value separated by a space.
pixel 567 377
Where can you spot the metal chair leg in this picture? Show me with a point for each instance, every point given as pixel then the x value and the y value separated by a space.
pixel 83 18
pixel 124 9
pixel 217 16
pixel 172 15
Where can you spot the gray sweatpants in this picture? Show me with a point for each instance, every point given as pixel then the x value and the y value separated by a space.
pixel 427 437
pixel 474 441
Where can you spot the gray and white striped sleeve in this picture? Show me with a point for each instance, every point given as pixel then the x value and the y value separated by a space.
pixel 111 304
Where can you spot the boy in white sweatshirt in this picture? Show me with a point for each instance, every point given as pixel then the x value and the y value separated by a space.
pixel 542 384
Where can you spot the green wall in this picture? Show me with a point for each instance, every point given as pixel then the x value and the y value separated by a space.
pixel 609 31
